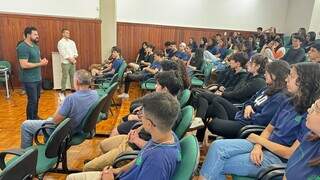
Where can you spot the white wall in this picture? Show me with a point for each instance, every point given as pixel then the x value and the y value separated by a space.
pixel 72 8
pixel 217 14
pixel 315 19
pixel 299 15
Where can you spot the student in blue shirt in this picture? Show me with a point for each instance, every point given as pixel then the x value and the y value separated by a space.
pixel 116 63
pixel 258 110
pixel 246 157
pixel 160 156
pixel 305 161
pixel 143 75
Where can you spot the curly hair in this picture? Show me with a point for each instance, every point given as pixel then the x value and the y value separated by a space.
pixel 280 70
pixel 309 85
pixel 180 69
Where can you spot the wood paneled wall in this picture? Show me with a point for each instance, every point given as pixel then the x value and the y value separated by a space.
pixel 131 35
pixel 85 32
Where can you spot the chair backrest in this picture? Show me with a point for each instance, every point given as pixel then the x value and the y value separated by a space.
pixel 110 92
pixel 121 70
pixel 207 72
pixel 184 97
pixel 23 167
pixel 185 122
pixel 114 79
pixel 189 158
pixel 5 64
pixel 90 120
pixel 56 141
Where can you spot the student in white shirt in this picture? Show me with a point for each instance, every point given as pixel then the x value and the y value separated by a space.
pixel 68 50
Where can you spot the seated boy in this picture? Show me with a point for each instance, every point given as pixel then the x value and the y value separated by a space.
pixel 160 156
pixel 136 139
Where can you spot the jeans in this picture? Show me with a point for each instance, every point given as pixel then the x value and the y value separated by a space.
pixel 67 69
pixel 28 130
pixel 33 93
pixel 232 156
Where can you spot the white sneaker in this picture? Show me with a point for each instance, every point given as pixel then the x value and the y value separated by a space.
pixel 123 95
pixel 62 97
pixel 197 123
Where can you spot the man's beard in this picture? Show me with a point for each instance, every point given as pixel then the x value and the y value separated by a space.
pixel 36 41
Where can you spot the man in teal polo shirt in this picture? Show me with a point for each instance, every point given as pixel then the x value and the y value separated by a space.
pixel 30 62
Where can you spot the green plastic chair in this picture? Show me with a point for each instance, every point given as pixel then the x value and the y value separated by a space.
pixel 148 85
pixel 107 102
pixel 105 87
pixel 190 154
pixel 121 71
pixel 22 167
pixel 6 64
pixel 201 79
pixel 184 97
pixel 183 126
pixel 87 129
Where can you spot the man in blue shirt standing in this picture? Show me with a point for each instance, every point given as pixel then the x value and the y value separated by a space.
pixel 75 107
pixel 29 58
pixel 160 156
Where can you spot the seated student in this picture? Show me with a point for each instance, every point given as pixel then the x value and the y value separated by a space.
pixel 305 161
pixel 203 43
pixel 212 46
pixel 222 50
pixel 258 110
pixel 114 66
pixel 234 74
pixel 196 62
pixel 181 53
pixel 246 157
pixel 134 139
pixel 193 44
pixel 146 73
pixel 167 49
pixel 140 57
pixel 267 50
pixel 135 116
pixel 173 49
pixel 278 50
pixel 161 154
pixel 314 53
pixel 75 107
pixel 296 53
pixel 310 40
pixel 149 57
pixel 189 52
pixel 240 93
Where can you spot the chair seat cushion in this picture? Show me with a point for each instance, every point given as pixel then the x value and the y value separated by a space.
pixel 196 82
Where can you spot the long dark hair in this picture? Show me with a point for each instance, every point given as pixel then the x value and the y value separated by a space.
pixel 309 85
pixel 281 70
pixel 180 69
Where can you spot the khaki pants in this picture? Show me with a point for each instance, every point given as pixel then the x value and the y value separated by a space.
pixel 111 148
pixel 93 175
pixel 67 69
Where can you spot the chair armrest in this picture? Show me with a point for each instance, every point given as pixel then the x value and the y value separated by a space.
pixel 247 130
pixel 270 172
pixel 44 132
pixel 136 125
pixel 3 154
pixel 123 157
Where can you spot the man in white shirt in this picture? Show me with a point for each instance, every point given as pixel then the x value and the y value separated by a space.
pixel 68 50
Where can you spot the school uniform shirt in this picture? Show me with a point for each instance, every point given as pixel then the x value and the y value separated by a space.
pixel 182 55
pixel 264 107
pixel 155 161
pixel 116 64
pixel 154 65
pixel 288 124
pixel 294 56
pixel 298 164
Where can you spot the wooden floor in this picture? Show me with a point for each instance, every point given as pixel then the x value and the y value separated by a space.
pixel 12 114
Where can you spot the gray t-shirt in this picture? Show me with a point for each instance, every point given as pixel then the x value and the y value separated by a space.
pixel 76 106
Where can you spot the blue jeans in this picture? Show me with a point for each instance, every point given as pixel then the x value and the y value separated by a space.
pixel 28 130
pixel 33 93
pixel 232 156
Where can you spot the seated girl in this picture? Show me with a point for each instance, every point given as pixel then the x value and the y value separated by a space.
pixel 276 144
pixel 305 161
